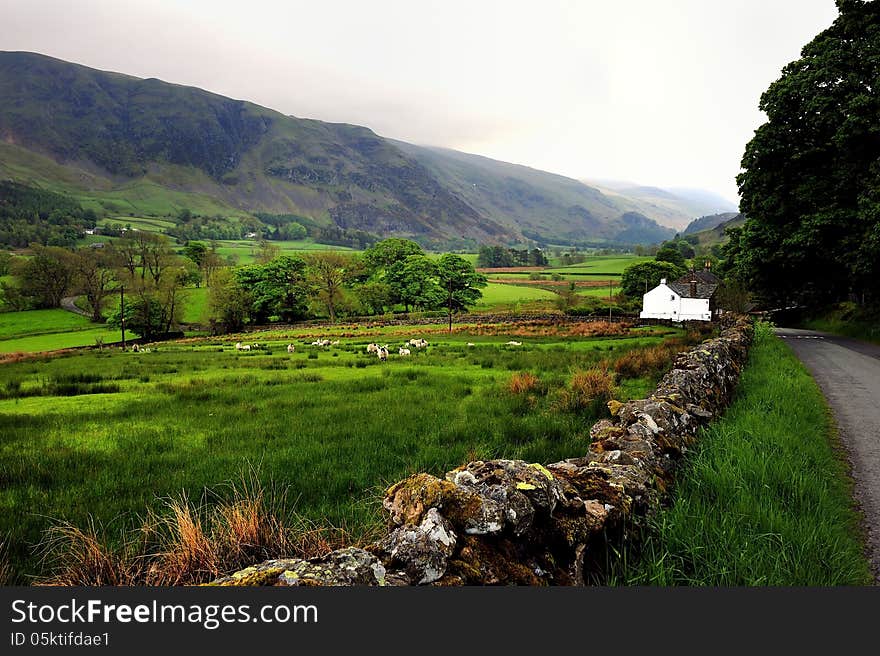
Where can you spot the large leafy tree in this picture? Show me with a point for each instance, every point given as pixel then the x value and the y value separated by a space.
pixel 639 278
pixel 278 288
pixel 328 272
pixel 811 175
pixel 459 284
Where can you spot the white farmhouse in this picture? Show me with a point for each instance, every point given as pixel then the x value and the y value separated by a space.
pixel 690 298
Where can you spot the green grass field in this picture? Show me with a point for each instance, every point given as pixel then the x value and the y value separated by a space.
pixel 496 294
pixel 600 265
pixel 765 499
pixel 107 433
pixel 245 250
pixel 48 330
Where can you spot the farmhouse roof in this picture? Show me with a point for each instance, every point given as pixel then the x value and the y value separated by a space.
pixel 683 288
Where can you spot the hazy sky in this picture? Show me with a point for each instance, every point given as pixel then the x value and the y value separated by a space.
pixel 661 92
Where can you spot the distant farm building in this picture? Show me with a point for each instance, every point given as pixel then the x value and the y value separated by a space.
pixel 690 298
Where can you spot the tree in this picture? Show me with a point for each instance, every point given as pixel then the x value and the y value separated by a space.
pixel 143 316
pixel 413 282
pixel 670 254
pixel 95 277
pixel 460 284
pixel 228 303
pixel 197 253
pixel 810 185
pixel 327 273
pixel 47 276
pixel 278 289
pixel 639 278
pixel 390 251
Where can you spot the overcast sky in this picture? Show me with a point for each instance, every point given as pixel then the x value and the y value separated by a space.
pixel 658 92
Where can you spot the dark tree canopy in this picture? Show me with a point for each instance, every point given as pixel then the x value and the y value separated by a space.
pixel 639 278
pixel 811 175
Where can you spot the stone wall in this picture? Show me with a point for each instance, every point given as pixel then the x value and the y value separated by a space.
pixel 513 522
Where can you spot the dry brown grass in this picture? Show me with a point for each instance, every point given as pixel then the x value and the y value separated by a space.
pixel 587 387
pixel 186 543
pixel 81 556
pixel 652 360
pixel 523 382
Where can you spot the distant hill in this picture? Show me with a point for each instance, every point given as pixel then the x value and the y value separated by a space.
pixel 675 207
pixel 708 222
pixel 717 234
pixel 122 145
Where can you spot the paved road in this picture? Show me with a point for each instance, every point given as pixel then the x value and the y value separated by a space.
pixel 848 372
pixel 69 303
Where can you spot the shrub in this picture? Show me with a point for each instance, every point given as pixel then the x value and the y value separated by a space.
pixel 647 361
pixel 522 383
pixel 587 389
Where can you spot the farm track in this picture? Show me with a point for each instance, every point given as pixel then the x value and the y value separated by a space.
pixel 69 303
pixel 848 373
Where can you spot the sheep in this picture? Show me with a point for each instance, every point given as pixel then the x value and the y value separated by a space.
pixel 372 348
pixel 245 347
pixel 403 351
pixel 471 344
pixel 336 343
pixel 382 353
pixel 238 346
pixel 418 343
pixel 291 348
pixel 135 348
pixel 512 343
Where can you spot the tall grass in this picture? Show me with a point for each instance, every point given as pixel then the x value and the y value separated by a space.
pixel 187 542
pixel 766 498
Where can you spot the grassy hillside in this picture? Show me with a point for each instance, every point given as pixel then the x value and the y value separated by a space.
pixel 712 236
pixel 146 148
pixel 544 206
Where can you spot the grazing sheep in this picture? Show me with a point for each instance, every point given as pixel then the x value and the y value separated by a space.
pixel 418 343
pixel 336 343
pixel 245 347
pixel 372 348
pixel 471 344
pixel 291 348
pixel 382 353
pixel 135 348
pixel 512 343
pixel 403 351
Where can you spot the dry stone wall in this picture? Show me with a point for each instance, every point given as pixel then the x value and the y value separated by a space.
pixel 513 522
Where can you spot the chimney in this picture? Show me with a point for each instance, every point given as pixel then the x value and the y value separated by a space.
pixel 662 281
pixel 708 265
pixel 693 286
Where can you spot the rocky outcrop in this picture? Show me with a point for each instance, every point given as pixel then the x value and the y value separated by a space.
pixel 513 522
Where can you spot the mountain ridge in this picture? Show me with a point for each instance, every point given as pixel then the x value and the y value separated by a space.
pixel 109 137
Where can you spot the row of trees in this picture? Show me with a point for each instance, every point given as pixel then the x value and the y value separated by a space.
pixel 498 256
pixel 154 280
pixel 394 272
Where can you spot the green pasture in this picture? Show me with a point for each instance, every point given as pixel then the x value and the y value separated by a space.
pixel 106 434
pixel 495 294
pixel 245 251
pixel 600 265
pixel 48 330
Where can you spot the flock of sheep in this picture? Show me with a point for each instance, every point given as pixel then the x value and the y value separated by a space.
pixel 380 351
